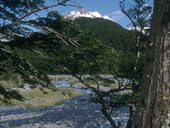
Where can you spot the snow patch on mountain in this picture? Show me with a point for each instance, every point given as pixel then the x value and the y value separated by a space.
pixel 144 30
pixel 85 13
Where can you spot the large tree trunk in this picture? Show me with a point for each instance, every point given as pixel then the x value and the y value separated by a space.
pixel 153 110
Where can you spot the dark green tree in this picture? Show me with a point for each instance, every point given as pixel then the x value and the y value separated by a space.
pixel 139 13
pixel 15 27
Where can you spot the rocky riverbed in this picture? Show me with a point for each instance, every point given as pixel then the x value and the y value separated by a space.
pixel 78 112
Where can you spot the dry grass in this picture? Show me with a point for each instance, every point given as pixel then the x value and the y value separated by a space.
pixel 35 98
pixel 10 83
pixel 69 78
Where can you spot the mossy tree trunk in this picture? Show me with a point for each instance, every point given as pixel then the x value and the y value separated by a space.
pixel 153 110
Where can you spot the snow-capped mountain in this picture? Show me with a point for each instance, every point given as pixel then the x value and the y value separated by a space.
pixel 85 13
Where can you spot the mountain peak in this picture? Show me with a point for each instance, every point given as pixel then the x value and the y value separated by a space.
pixel 82 12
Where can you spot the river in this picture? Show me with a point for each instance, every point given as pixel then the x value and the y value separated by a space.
pixel 78 112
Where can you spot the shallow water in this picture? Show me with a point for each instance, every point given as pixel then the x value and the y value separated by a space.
pixel 75 113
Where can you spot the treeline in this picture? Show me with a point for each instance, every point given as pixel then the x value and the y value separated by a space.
pixel 97 46
pixel 84 46
pixel 98 36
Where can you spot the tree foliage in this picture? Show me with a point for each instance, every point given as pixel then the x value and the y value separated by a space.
pixel 60 46
pixel 16 28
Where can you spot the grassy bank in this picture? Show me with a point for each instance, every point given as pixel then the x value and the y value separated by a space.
pixel 35 98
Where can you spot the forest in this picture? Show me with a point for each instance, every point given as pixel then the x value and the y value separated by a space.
pixel 84 72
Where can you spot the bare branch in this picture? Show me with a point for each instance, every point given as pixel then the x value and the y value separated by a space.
pixel 62 3
pixel 122 7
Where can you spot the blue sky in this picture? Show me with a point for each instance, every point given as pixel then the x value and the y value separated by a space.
pixel 105 7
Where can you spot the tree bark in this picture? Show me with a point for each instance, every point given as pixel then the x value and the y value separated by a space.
pixel 153 109
pixel 108 117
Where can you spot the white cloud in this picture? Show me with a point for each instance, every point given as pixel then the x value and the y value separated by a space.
pixel 116 15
